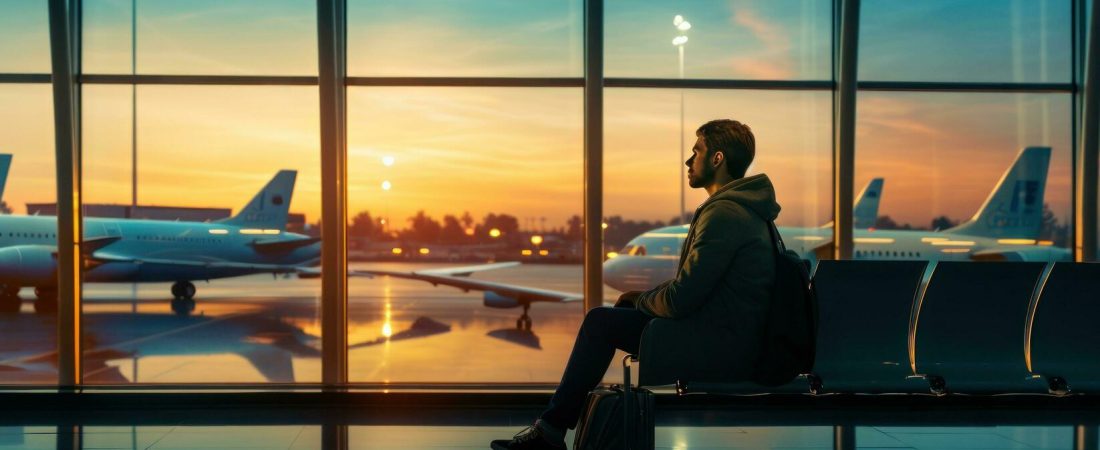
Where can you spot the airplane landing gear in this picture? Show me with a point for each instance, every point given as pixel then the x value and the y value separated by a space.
pixel 183 306
pixel 183 290
pixel 183 297
pixel 524 321
pixel 45 300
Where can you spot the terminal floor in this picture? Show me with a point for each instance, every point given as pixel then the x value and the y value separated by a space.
pixel 471 437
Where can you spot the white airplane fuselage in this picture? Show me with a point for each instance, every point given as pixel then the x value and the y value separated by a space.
pixel 632 270
pixel 147 250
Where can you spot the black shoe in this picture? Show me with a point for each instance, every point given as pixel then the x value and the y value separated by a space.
pixel 533 437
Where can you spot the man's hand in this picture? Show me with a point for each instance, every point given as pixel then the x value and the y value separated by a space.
pixel 628 299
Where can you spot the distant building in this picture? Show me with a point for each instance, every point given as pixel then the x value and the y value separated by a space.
pixel 295 221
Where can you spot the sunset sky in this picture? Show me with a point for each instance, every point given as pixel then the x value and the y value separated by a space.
pixel 520 150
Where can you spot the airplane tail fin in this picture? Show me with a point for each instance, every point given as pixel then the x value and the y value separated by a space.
pixel 270 207
pixel 1015 207
pixel 5 165
pixel 865 212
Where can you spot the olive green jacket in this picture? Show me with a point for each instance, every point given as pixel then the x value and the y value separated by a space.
pixel 718 301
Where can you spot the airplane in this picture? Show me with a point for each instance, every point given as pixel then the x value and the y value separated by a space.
pixel 253 241
pixel 134 251
pixel 666 240
pixel 1006 227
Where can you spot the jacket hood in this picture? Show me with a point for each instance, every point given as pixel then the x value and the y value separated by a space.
pixel 755 192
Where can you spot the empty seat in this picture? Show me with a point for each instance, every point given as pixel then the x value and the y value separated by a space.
pixel 1065 337
pixel 969 330
pixel 863 327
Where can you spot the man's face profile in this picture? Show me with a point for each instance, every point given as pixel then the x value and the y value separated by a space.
pixel 700 171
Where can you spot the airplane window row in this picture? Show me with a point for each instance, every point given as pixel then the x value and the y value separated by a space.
pixel 885 254
pixel 179 239
pixel 32 235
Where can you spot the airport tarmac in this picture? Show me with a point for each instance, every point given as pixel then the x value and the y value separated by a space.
pixel 260 328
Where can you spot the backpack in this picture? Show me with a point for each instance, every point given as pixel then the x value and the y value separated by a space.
pixel 790 329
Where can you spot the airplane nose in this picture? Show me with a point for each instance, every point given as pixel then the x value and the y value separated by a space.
pixel 612 272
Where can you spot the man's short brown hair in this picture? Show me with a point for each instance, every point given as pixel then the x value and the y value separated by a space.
pixel 734 139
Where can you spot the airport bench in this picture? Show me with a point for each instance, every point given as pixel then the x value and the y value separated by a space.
pixel 948 327
pixel 1063 329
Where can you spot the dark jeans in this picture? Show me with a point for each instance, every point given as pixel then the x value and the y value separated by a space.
pixel 604 329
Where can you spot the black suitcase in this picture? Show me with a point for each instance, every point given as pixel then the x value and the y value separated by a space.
pixel 618 417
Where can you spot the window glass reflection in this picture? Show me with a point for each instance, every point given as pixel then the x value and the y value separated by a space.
pixel 26 242
pixel 966 176
pixel 203 37
pixel 447 177
pixel 24 37
pixel 200 281
pixel 740 39
pixel 965 40
pixel 433 38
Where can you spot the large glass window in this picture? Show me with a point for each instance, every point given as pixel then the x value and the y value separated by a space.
pixel 28 350
pixel 24 37
pixel 180 288
pixel 741 39
pixel 967 176
pixel 966 40
pixel 473 38
pixel 201 37
pixel 450 177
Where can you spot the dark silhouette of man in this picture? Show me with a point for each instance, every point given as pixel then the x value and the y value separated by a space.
pixel 720 294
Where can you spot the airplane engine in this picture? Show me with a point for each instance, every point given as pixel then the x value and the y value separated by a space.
pixel 28 265
pixel 494 300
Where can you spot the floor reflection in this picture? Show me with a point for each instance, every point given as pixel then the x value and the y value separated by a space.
pixel 263 329
pixel 300 437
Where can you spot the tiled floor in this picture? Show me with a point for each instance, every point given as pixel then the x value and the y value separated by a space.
pixel 299 437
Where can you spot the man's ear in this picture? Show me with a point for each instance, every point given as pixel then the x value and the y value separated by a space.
pixel 717 159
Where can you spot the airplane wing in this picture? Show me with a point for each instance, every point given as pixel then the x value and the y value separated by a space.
pixel 315 272
pixel 106 257
pixel 519 293
pixel 467 270
pixel 283 245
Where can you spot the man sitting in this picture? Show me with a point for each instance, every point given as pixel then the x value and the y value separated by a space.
pixel 720 294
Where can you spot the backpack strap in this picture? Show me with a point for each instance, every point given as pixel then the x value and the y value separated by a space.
pixel 780 247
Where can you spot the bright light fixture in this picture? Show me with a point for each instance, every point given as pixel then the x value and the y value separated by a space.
pixel 387 161
pixel 386 185
pixel 679 40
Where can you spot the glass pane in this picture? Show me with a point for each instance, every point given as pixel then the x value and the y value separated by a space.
pixel 202 37
pixel 433 38
pixel 966 40
pixel 24 37
pixel 179 292
pixel 967 176
pixel 448 177
pixel 644 171
pixel 738 39
pixel 28 350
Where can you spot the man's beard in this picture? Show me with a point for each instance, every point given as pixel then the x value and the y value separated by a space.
pixel 699 180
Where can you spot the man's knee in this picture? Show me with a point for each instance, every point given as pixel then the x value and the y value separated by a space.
pixel 597 319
